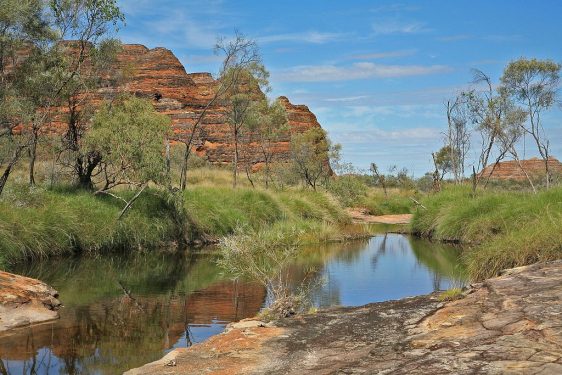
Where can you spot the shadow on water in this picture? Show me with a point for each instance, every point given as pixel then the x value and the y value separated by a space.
pixel 122 312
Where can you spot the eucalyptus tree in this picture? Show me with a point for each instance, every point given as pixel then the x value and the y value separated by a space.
pixel 310 154
pixel 39 79
pixel 534 85
pixel 494 116
pixel 24 28
pixel 378 177
pixel 84 28
pixel 128 135
pixel 246 88
pixel 268 122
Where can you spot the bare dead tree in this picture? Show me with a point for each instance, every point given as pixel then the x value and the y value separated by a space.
pixel 458 134
pixel 436 175
pixel 379 177
pixel 240 54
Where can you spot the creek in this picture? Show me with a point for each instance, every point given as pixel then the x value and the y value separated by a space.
pixel 122 312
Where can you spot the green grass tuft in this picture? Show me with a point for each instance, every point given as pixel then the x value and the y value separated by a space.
pixel 505 229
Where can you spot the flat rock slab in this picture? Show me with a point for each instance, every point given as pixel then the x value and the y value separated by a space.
pixel 511 324
pixel 25 301
pixel 361 216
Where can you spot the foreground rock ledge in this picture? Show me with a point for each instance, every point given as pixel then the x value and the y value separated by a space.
pixel 25 301
pixel 509 324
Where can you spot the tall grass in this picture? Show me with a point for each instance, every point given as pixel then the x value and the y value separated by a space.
pixel 39 223
pixel 219 211
pixel 504 229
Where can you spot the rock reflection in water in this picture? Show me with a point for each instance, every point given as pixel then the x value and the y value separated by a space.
pixel 121 313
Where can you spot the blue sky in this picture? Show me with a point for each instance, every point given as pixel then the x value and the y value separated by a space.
pixel 376 73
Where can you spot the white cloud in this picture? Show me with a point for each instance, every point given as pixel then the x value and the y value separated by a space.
pixel 454 38
pixel 397 27
pixel 372 113
pixel 377 135
pixel 313 37
pixel 188 25
pixel 347 99
pixel 360 70
pixel 383 55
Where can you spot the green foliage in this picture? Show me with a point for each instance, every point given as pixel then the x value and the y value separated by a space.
pixel 129 136
pixel 444 160
pixel 39 223
pixel 264 257
pixel 350 190
pixel 86 20
pixel 219 211
pixel 505 229
pixel 267 122
pixel 395 201
pixel 310 153
pixel 532 79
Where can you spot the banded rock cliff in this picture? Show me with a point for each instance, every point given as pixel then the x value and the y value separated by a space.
pixel 158 75
pixel 512 170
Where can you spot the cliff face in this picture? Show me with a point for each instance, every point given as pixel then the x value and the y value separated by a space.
pixel 510 170
pixel 157 74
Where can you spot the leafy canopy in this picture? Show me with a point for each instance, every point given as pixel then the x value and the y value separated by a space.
pixel 129 135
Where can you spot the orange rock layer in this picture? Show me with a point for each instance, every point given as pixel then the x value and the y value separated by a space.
pixel 157 74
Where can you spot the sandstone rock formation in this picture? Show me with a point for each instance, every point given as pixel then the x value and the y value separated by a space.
pixel 506 325
pixel 510 170
pixel 24 301
pixel 157 74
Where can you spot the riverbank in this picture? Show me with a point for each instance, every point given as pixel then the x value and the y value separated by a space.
pixel 501 229
pixel 362 216
pixel 508 324
pixel 40 223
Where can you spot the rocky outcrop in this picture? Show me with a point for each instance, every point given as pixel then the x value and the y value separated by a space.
pixel 157 74
pixel 511 170
pixel 510 324
pixel 24 301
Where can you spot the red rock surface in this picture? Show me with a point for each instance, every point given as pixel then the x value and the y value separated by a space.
pixel 157 74
pixel 510 170
pixel 24 301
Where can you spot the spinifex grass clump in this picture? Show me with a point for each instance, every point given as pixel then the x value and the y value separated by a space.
pixel 264 257
pixel 503 229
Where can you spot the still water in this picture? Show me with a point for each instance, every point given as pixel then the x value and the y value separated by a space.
pixel 120 313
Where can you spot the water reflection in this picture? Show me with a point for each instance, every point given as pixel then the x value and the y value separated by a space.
pixel 123 312
pixel 389 266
